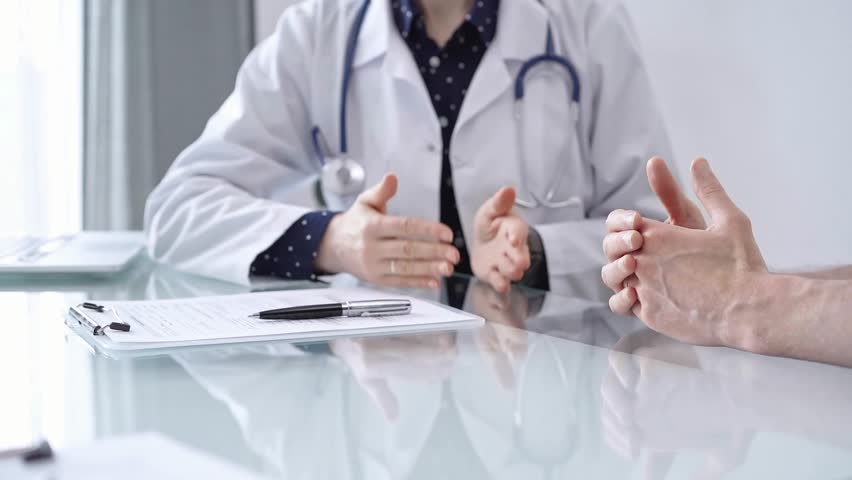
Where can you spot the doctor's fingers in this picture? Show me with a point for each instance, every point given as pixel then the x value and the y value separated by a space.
pixel 519 255
pixel 510 269
pixel 407 281
pixel 616 245
pixel 497 281
pixel 385 226
pixel 515 230
pixel 413 249
pixel 622 220
pixel 614 273
pixel 416 268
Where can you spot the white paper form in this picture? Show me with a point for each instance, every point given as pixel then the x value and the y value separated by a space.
pixel 227 317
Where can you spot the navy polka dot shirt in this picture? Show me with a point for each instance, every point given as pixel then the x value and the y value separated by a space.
pixel 447 73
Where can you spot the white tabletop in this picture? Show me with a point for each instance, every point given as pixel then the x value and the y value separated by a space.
pixel 551 387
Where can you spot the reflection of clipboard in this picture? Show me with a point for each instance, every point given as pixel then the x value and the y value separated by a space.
pixel 166 326
pixel 131 456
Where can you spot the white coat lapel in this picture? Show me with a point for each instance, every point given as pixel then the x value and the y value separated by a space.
pixel 375 32
pixel 521 35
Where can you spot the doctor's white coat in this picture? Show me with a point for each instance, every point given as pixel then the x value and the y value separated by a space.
pixel 221 203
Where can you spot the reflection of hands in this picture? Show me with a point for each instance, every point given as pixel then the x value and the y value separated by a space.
pixel 500 254
pixel 387 250
pixel 654 407
pixel 502 339
pixel 374 361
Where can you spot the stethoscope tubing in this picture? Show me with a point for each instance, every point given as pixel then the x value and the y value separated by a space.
pixel 549 56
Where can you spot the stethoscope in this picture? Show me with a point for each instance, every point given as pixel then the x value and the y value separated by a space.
pixel 343 178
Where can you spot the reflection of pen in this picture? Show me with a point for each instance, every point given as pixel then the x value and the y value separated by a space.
pixel 362 308
pixel 35 453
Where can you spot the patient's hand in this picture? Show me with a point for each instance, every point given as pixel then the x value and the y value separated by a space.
pixel 695 285
pixel 624 237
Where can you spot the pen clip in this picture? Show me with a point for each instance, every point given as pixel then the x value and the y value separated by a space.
pixel 378 308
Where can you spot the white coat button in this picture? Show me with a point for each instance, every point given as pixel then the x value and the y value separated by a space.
pixel 431 148
pixel 434 62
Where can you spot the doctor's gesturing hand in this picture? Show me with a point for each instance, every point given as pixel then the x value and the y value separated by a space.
pixel 387 250
pixel 500 254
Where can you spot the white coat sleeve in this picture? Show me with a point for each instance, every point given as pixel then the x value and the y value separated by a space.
pixel 626 128
pixel 214 211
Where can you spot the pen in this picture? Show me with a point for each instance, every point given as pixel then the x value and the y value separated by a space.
pixel 361 308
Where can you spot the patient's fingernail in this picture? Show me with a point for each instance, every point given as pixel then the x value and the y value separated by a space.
pixel 628 240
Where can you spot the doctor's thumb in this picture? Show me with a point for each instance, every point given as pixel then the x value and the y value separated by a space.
pixel 379 195
pixel 501 203
pixel 667 190
pixel 710 191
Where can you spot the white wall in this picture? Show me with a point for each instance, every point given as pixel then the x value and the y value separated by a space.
pixel 763 89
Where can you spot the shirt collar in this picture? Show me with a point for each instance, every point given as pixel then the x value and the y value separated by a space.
pixel 482 16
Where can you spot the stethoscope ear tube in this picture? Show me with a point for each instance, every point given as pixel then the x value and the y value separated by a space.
pixel 557 59
pixel 348 60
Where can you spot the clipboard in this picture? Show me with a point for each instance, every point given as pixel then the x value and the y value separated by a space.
pixel 87 326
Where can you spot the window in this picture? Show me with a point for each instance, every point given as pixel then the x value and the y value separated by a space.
pixel 40 116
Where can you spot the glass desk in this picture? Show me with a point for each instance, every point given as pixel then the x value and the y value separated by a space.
pixel 552 386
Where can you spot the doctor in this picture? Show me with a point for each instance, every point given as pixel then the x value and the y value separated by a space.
pixel 483 136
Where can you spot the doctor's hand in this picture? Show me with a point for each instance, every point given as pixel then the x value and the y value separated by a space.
pixel 624 237
pixel 500 254
pixel 387 250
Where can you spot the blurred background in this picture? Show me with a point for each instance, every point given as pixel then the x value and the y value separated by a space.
pixel 97 97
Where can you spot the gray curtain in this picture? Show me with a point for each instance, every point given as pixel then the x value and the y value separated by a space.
pixel 155 70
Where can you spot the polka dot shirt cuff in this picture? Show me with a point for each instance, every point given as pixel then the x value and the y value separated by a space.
pixel 292 256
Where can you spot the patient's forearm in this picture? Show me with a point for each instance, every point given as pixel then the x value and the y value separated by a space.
pixel 840 273
pixel 808 318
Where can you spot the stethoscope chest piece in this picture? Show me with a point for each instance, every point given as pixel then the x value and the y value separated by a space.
pixel 342 180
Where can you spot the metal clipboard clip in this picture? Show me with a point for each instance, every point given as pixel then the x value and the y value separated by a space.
pixel 118 325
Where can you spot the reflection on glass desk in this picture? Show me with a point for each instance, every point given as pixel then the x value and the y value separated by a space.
pixel 551 386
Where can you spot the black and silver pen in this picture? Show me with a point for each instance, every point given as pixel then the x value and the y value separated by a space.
pixel 359 308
